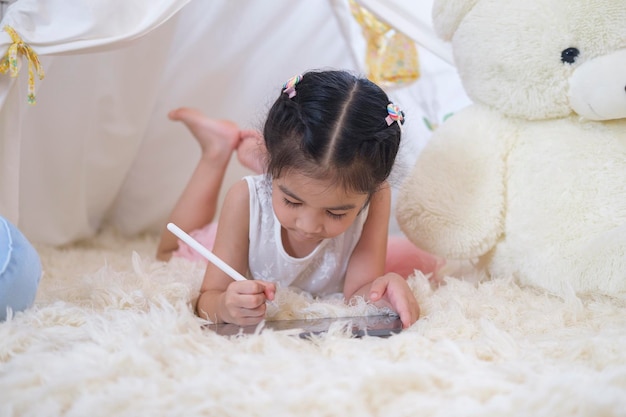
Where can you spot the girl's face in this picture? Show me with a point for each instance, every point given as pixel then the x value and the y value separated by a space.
pixel 311 210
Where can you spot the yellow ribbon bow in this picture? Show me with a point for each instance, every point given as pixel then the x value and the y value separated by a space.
pixel 391 56
pixel 9 61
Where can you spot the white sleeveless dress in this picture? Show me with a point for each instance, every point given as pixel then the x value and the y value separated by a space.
pixel 320 273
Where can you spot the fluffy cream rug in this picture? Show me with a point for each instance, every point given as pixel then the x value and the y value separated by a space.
pixel 112 334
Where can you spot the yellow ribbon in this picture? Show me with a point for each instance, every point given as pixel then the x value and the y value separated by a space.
pixel 9 61
pixel 391 55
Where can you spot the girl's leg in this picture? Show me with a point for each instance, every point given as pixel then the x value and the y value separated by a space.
pixel 197 205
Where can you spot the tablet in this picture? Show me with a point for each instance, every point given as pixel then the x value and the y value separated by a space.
pixel 379 326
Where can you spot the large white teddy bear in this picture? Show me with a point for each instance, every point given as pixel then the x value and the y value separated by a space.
pixel 530 180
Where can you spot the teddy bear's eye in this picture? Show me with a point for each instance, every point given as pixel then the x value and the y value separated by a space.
pixel 569 55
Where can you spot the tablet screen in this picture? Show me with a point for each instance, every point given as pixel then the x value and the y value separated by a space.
pixel 379 326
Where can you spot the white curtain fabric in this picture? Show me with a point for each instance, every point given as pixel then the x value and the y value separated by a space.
pixel 98 147
pixel 54 27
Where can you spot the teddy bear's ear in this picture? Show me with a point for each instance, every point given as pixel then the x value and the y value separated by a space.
pixel 447 15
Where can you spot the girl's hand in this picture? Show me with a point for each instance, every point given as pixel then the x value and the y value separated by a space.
pixel 391 290
pixel 243 302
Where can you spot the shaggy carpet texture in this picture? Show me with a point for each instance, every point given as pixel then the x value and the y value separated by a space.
pixel 112 333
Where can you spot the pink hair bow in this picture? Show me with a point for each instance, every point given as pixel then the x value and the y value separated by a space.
pixel 394 114
pixel 290 86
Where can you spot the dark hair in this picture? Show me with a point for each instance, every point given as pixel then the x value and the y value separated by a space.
pixel 334 128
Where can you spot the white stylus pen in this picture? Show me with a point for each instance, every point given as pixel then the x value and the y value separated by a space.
pixel 210 256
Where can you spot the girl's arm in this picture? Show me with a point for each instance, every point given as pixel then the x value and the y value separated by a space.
pixel 221 298
pixel 365 276
pixel 368 259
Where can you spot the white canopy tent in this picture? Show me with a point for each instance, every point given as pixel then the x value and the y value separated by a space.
pixel 98 147
pixel 56 27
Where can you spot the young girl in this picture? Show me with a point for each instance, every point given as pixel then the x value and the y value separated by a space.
pixel 317 220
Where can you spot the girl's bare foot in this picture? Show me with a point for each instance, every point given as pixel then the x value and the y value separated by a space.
pixel 217 138
pixel 251 151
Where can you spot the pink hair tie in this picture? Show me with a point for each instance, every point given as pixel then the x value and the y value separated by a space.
pixel 394 114
pixel 290 86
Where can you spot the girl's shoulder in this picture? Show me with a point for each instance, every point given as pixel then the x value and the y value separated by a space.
pixel 252 190
pixel 237 197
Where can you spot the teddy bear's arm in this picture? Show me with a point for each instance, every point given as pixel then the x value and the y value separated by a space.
pixel 452 203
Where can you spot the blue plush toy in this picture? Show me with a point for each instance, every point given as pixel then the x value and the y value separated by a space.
pixel 20 270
